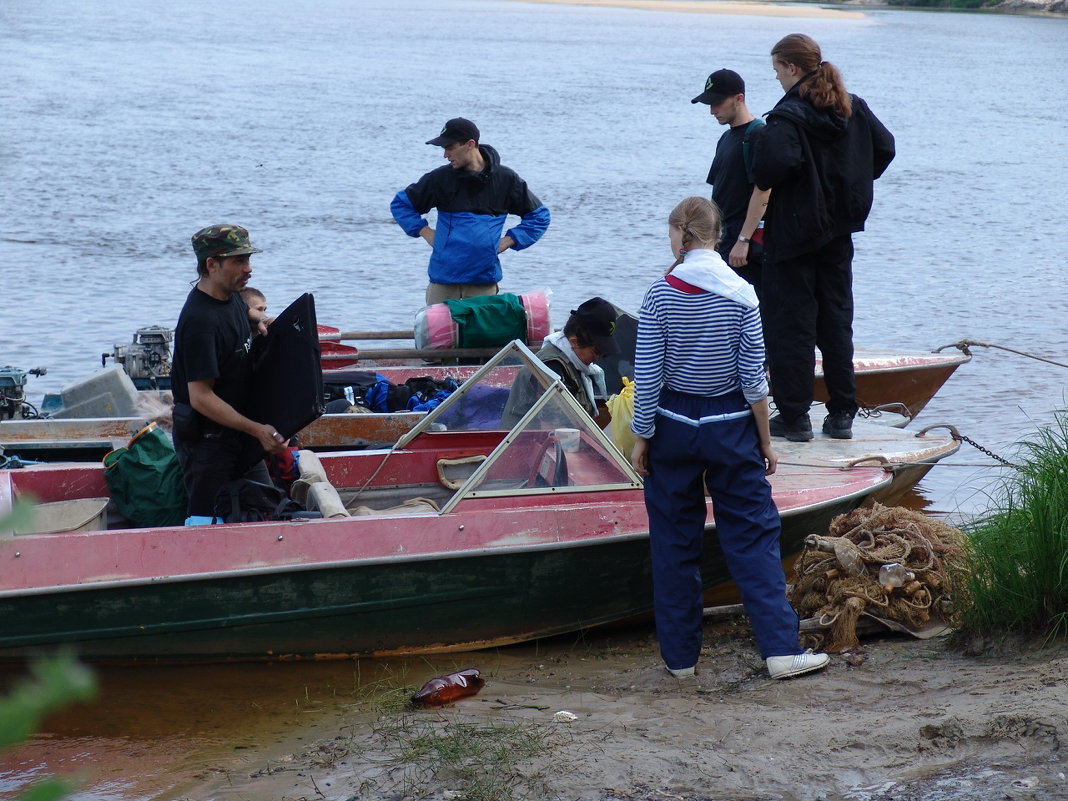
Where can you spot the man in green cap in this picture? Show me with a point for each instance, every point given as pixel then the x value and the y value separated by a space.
pixel 211 375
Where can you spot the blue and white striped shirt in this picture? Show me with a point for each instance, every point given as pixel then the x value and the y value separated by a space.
pixel 700 344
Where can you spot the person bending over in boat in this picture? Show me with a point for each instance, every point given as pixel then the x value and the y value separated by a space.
pixel 588 335
pixel 211 375
pixel 701 417
pixel 474 195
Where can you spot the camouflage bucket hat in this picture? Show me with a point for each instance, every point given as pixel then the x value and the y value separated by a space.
pixel 219 241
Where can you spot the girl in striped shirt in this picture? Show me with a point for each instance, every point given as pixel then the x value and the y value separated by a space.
pixel 701 421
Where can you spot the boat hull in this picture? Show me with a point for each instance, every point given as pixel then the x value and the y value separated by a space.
pixel 152 595
pixel 895 377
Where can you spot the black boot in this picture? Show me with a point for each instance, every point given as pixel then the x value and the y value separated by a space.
pixel 838 425
pixel 799 430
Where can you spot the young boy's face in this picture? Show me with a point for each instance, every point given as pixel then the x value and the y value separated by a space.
pixel 257 309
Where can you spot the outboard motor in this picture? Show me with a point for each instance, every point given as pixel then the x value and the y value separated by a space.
pixel 13 402
pixel 147 359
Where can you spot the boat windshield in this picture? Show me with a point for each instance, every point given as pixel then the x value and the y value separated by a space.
pixel 551 444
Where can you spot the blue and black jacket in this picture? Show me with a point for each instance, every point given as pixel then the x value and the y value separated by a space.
pixel 472 209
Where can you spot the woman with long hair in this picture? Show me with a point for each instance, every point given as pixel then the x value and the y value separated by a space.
pixel 701 421
pixel 820 153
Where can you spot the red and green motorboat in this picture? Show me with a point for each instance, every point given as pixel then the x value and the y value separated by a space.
pixel 461 536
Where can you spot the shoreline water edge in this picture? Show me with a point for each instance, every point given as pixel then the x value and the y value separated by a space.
pixel 791 8
pixel 606 127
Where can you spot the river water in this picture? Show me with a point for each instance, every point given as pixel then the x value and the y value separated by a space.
pixel 126 126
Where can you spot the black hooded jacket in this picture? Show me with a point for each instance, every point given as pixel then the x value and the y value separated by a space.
pixel 820 167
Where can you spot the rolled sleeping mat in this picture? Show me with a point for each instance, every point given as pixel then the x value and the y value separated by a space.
pixel 310 467
pixel 537 305
pixel 323 498
pixel 435 328
pixel 311 472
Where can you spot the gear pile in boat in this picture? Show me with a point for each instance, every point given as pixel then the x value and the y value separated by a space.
pixel 345 389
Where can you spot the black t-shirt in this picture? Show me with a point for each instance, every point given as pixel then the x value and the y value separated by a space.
pixel 732 184
pixel 213 340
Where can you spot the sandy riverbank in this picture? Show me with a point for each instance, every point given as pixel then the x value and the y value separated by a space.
pixel 914 720
pixel 757 9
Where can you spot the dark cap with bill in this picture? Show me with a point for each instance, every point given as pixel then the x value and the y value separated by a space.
pixel 597 318
pixel 456 130
pixel 220 241
pixel 721 84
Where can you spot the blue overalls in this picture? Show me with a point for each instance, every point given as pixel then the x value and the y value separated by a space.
pixel 713 437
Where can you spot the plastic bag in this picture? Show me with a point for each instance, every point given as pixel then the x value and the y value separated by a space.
pixel 621 407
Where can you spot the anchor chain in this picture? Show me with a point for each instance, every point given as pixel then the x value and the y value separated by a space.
pixel 953 432
pixel 987 451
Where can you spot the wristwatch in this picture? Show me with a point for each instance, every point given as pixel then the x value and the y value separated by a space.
pixel 743 239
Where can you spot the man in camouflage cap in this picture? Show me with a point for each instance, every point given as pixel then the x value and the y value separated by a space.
pixel 211 374
pixel 221 241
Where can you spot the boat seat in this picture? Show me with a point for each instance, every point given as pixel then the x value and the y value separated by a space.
pixel 78 514
pixel 388 497
pixel 410 506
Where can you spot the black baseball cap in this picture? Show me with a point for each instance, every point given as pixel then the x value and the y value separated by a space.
pixel 597 318
pixel 456 130
pixel 721 84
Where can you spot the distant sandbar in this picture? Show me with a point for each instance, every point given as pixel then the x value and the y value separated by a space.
pixel 757 9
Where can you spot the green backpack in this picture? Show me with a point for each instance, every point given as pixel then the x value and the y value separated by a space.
pixel 145 479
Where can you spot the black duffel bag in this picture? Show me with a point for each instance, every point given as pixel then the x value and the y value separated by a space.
pixel 245 501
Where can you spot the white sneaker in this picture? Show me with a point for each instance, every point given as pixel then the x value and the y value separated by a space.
pixel 681 673
pixel 783 667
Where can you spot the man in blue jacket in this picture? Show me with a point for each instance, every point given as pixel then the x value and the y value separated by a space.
pixel 474 195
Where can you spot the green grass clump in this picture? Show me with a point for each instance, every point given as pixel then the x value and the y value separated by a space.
pixel 481 761
pixel 389 693
pixel 1017 569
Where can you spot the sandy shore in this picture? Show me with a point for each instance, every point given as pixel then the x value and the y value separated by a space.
pixel 756 9
pixel 902 720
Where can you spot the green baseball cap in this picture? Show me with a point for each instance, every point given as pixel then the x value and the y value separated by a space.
pixel 220 241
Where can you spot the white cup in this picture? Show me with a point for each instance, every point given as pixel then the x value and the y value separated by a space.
pixel 569 439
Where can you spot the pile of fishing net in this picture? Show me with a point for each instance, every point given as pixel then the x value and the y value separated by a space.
pixel 897 566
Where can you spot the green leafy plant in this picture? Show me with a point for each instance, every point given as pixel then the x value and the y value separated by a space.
pixel 53 683
pixel 1017 569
